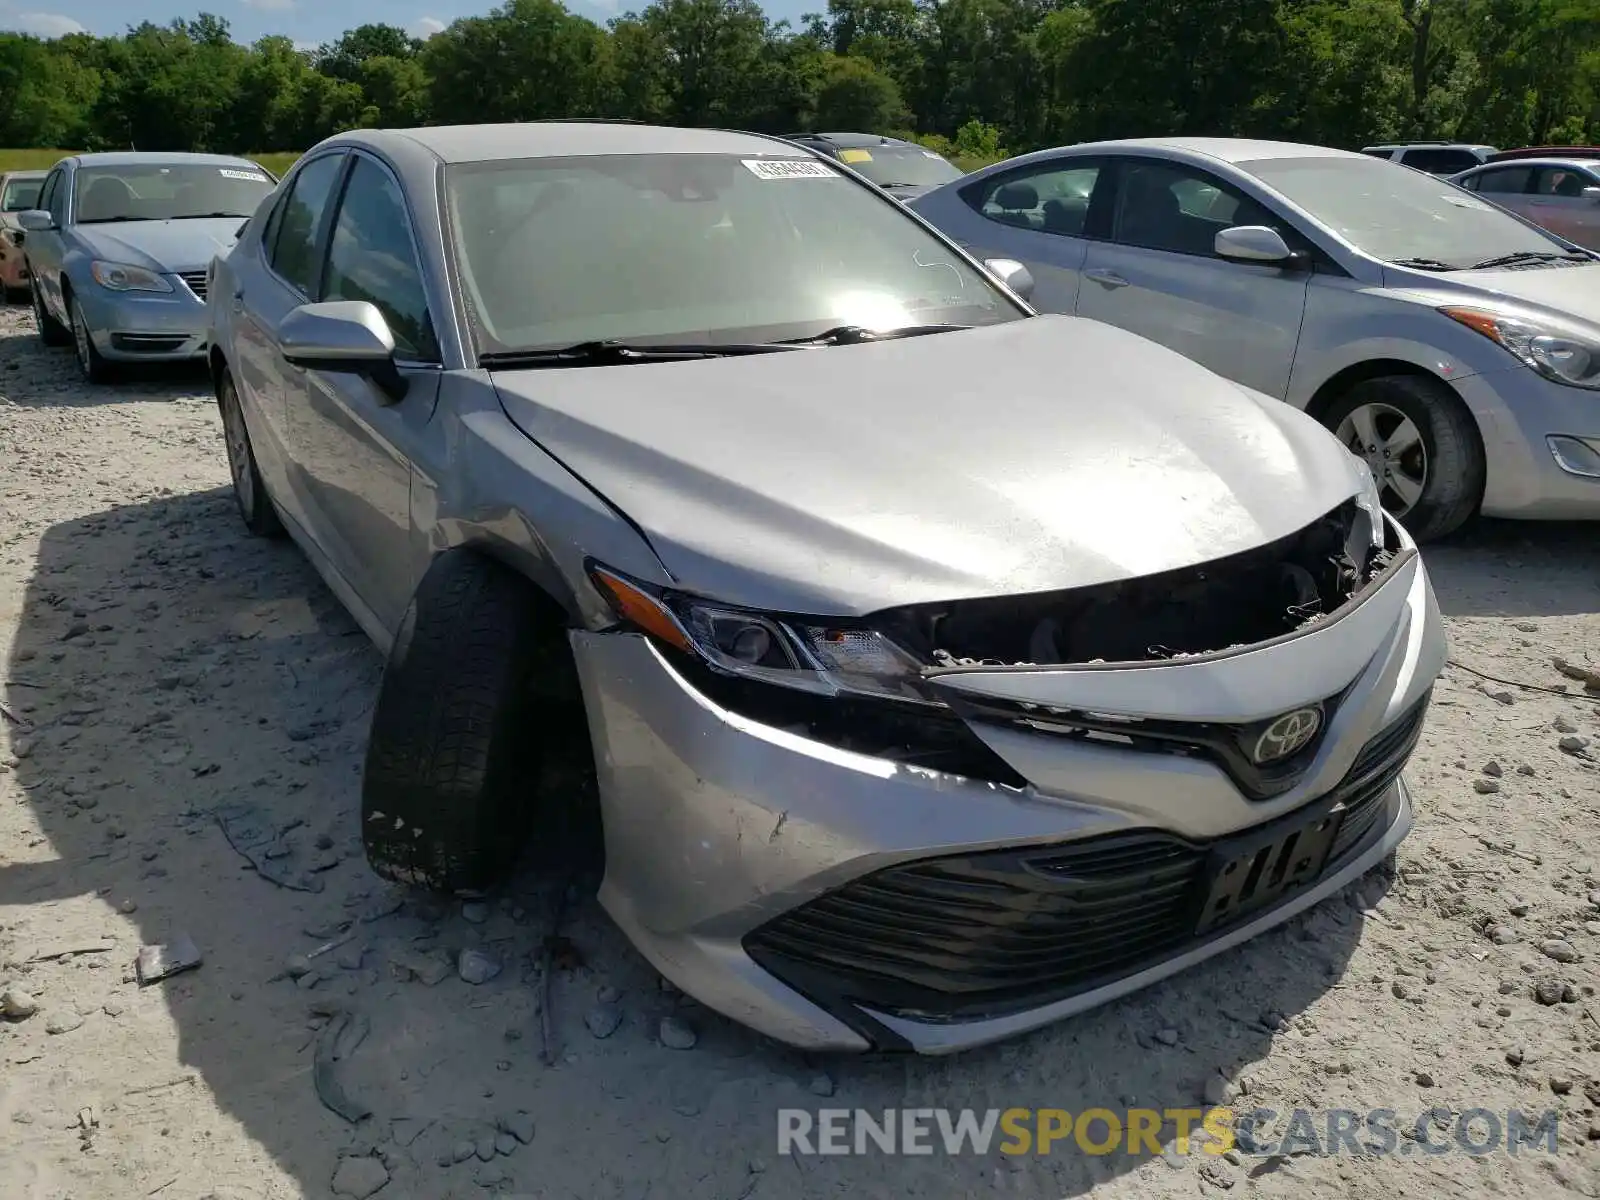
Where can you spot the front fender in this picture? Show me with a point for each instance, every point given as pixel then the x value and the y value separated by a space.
pixel 479 481
pixel 1348 324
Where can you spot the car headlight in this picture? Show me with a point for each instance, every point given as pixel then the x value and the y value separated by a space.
pixel 125 277
pixel 1370 501
pixel 1563 355
pixel 797 652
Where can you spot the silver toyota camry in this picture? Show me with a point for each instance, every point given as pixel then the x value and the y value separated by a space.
pixel 925 669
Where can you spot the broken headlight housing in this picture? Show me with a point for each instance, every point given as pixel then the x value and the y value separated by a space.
pixel 805 653
pixel 1369 500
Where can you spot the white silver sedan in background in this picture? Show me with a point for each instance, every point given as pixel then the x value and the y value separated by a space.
pixel 1452 345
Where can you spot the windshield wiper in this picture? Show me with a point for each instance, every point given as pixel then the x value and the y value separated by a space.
pixel 107 220
pixel 1528 256
pixel 610 352
pixel 1425 264
pixel 850 335
pixel 204 216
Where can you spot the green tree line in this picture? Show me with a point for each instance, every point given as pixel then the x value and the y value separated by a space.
pixel 977 74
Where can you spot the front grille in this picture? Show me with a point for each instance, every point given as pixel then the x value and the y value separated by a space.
pixel 147 343
pixel 196 282
pixel 1228 745
pixel 980 935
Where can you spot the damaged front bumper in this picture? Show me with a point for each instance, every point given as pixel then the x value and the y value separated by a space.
pixel 839 900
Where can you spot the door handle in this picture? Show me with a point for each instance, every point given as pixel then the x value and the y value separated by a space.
pixel 238 302
pixel 1106 278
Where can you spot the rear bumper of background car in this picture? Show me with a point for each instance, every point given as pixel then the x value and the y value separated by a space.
pixel 146 326
pixel 839 901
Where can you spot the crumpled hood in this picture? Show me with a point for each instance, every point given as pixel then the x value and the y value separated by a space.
pixel 163 246
pixel 1044 453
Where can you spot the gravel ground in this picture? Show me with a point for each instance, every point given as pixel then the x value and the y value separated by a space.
pixel 174 682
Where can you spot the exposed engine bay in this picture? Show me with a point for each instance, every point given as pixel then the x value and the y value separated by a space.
pixel 1236 601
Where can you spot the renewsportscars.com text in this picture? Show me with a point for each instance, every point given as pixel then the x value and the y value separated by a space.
pixel 1151 1131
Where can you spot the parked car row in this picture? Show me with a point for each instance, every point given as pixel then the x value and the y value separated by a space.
pixel 922 667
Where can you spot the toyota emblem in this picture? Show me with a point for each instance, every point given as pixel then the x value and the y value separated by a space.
pixel 1287 735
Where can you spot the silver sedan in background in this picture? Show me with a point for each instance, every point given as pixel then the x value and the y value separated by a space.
pixel 117 249
pixel 1453 346
pixel 1561 194
pixel 922 669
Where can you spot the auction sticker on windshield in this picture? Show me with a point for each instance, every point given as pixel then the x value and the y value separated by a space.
pixel 766 168
pixel 226 173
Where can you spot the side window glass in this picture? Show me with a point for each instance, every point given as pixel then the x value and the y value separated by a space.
pixel 47 192
pixel 56 205
pixel 1559 181
pixel 294 252
pixel 1047 198
pixel 1510 181
pixel 1178 209
pixel 371 257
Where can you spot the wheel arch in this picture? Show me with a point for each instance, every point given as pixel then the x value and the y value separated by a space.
pixel 1376 368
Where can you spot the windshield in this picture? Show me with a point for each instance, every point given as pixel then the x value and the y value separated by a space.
pixel 169 191
pixel 1396 214
pixel 21 195
pixel 705 248
pixel 887 166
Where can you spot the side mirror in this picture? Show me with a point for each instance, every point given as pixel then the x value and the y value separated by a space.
pixel 1013 274
pixel 343 335
pixel 1255 244
pixel 1592 195
pixel 36 220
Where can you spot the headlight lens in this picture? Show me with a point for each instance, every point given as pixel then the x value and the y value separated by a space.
pixel 125 277
pixel 1370 501
pixel 1562 355
pixel 790 652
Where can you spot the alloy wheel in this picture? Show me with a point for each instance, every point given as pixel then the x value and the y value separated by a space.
pixel 1391 445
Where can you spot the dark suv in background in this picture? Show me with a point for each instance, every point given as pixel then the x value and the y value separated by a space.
pixel 903 169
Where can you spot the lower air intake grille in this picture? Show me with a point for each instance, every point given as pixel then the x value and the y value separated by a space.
pixel 978 935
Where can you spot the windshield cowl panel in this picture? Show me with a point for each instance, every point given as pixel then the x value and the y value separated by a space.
pixel 695 249
pixel 157 191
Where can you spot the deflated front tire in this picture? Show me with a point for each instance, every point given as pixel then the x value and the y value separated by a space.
pixel 478 703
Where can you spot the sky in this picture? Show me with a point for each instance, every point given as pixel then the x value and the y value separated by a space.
pixel 308 22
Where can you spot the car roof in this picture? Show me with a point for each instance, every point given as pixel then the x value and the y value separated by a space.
pixel 1427 146
pixel 559 139
pixel 1232 150
pixel 129 158
pixel 1552 160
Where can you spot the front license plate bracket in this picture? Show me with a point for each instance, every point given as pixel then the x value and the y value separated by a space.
pixel 1250 872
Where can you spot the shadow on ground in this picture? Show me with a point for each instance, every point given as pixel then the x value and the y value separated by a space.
pixel 170 668
pixel 1517 569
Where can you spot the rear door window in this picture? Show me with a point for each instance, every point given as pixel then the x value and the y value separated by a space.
pixel 1049 197
pixel 1503 181
pixel 295 250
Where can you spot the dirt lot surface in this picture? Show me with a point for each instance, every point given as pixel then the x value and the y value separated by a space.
pixel 173 684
